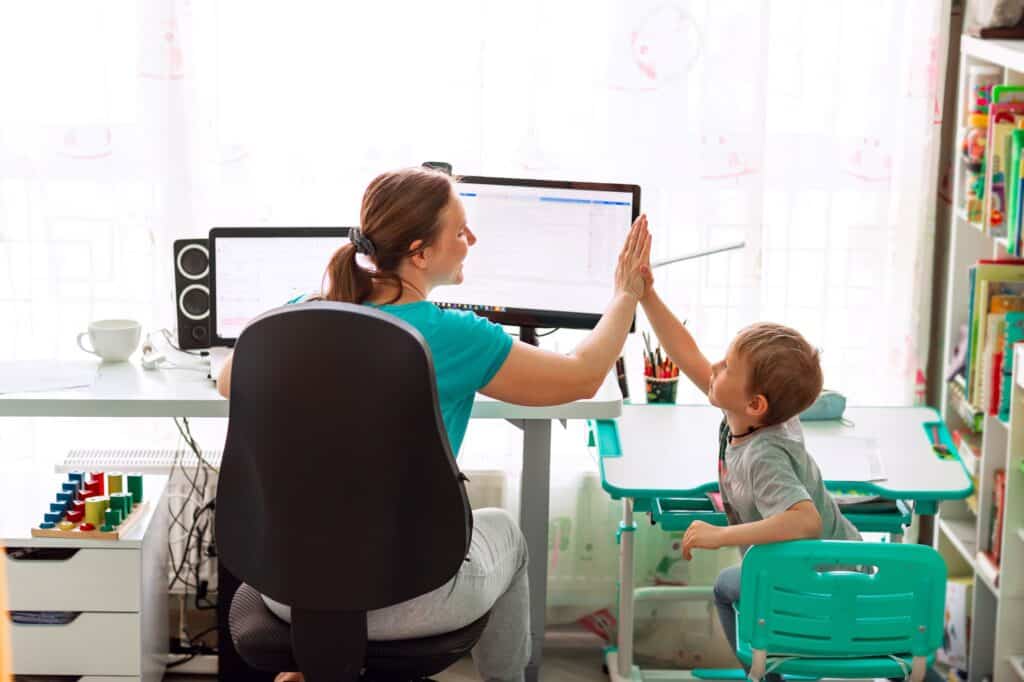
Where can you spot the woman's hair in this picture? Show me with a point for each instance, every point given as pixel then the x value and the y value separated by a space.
pixel 399 208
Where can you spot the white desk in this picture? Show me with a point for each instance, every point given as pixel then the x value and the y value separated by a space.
pixel 674 450
pixel 669 451
pixel 126 390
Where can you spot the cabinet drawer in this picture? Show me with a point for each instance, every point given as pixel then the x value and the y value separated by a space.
pixel 90 644
pixel 73 579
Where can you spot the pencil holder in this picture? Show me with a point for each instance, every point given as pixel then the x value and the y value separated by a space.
pixel 661 390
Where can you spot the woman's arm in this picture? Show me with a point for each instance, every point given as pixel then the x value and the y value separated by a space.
pixel 224 380
pixel 531 376
pixel 678 344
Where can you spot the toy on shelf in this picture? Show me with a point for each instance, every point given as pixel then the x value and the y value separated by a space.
pixel 980 81
pixel 973 153
pixel 96 505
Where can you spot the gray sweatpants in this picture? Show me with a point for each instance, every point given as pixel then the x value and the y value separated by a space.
pixel 493 579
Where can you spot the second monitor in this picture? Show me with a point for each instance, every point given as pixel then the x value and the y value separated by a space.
pixel 546 250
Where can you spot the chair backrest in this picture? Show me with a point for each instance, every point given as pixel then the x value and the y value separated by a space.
pixel 338 490
pixel 793 599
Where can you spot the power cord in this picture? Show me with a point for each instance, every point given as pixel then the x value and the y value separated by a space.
pixel 540 336
pixel 202 521
pixel 170 342
pixel 154 359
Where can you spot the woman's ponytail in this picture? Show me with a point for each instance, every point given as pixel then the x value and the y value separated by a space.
pixel 399 209
pixel 347 281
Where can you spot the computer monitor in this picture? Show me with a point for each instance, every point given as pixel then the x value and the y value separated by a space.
pixel 255 269
pixel 546 250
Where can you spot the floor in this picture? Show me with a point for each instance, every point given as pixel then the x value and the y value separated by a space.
pixel 559 666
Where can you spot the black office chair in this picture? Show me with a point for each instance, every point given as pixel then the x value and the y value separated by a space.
pixel 338 493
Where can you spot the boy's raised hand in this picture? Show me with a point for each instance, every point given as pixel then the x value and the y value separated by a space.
pixel 701 535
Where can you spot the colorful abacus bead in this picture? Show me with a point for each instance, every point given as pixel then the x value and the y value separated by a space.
pixel 75 516
pixel 135 487
pixel 97 480
pixel 112 517
pixel 122 502
pixel 94 509
pixel 115 482
pixel 46 525
pixel 94 487
pixel 87 527
pixel 66 525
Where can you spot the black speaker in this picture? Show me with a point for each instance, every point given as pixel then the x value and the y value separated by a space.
pixel 192 292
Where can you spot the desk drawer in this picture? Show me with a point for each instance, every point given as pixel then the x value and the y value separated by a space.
pixel 73 579
pixel 90 644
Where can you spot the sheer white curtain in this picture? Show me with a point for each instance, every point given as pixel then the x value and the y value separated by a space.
pixel 809 129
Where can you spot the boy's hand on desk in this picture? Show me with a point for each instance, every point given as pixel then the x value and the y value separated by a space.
pixel 701 535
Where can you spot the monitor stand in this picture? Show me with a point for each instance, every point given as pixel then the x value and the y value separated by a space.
pixel 528 335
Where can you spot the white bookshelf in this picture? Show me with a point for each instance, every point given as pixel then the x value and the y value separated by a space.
pixel 997 618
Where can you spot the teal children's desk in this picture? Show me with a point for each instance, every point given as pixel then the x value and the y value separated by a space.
pixel 655 457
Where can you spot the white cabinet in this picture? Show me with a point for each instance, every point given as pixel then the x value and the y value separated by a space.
pixel 90 608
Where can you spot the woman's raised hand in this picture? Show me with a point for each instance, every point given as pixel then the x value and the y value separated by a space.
pixel 633 271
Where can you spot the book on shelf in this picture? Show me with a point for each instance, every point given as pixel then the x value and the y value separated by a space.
pixel 957 624
pixel 1013 192
pixel 985 565
pixel 1013 334
pixel 968 445
pixel 998 509
pixel 997 299
pixel 971 416
pixel 986 393
pixel 1002 123
pixel 996 287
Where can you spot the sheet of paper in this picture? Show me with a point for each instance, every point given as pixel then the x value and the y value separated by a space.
pixel 44 375
pixel 849 459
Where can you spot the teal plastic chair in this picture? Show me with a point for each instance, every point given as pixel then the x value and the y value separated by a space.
pixel 800 614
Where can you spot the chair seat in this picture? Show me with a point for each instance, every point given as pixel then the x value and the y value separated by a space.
pixel 264 641
pixel 869 667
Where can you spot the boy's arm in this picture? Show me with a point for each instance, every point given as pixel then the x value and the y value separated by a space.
pixel 676 340
pixel 799 522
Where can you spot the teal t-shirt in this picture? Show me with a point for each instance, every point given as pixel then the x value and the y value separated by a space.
pixel 468 350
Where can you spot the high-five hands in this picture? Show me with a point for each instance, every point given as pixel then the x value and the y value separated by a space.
pixel 633 271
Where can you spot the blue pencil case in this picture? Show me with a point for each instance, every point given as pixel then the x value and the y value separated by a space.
pixel 828 405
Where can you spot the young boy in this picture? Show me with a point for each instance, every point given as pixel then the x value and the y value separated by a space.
pixel 771 488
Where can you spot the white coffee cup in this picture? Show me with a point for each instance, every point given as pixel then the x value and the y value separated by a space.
pixel 112 340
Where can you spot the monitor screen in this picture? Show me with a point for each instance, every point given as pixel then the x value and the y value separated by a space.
pixel 546 250
pixel 255 269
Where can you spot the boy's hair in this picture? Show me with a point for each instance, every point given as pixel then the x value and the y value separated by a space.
pixel 784 368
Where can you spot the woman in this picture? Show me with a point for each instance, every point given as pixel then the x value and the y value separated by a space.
pixel 414 232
